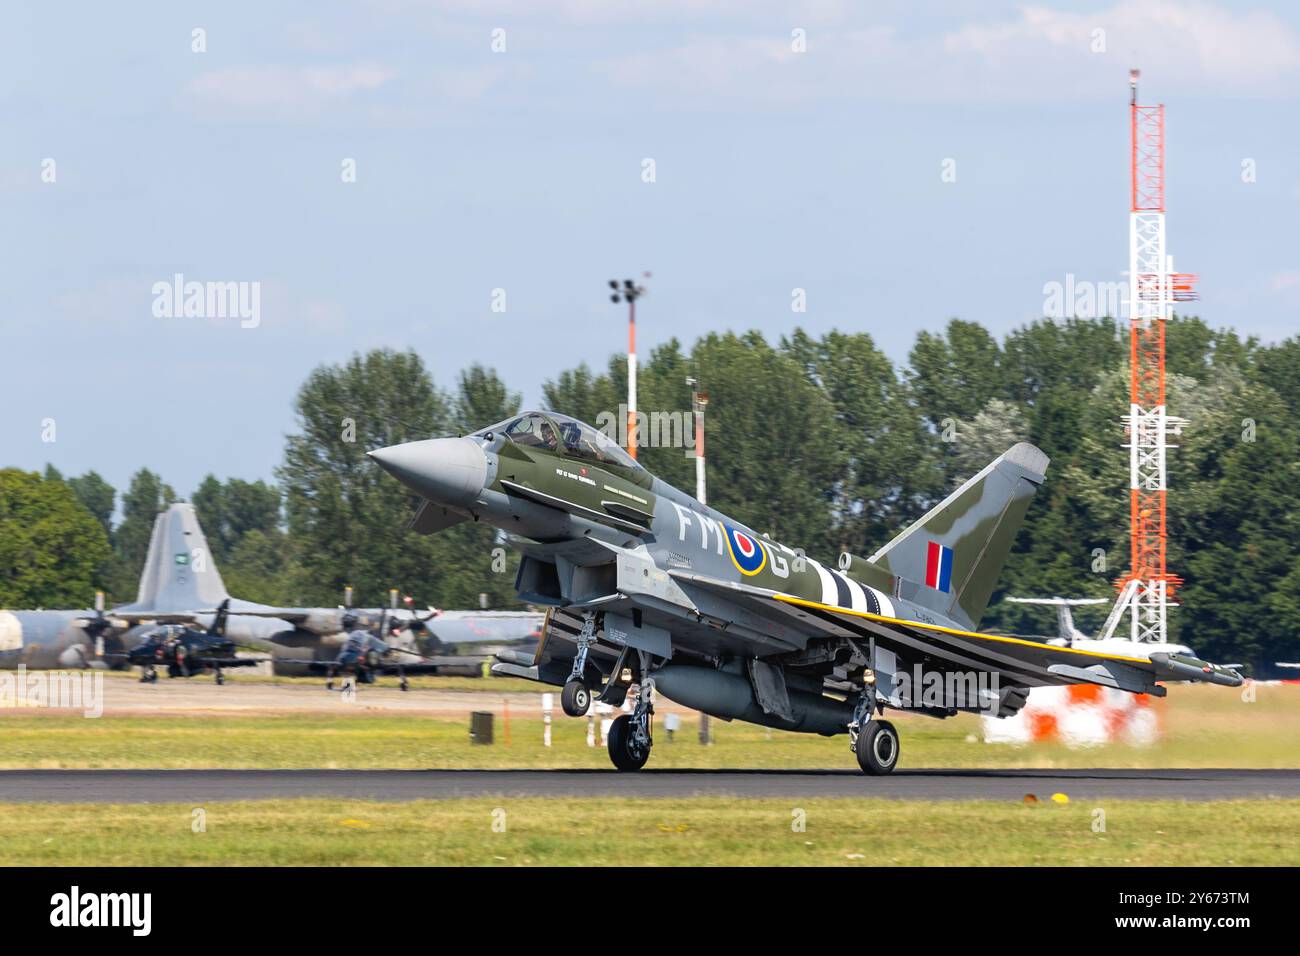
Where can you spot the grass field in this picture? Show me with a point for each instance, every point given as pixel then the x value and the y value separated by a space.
pixel 1206 727
pixel 698 831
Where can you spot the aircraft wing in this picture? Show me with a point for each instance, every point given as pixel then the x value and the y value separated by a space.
pixel 420 666
pixel 312 667
pixel 206 661
pixel 390 668
pixel 294 615
pixel 1018 662
pixel 132 617
pixel 138 613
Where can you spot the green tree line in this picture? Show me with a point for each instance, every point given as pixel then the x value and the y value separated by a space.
pixel 822 442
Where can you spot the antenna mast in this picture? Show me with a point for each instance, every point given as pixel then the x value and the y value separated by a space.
pixel 1147 590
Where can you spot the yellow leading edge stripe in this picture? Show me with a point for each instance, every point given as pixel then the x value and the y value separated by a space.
pixel 791 599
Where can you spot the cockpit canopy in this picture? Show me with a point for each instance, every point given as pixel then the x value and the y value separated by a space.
pixel 563 435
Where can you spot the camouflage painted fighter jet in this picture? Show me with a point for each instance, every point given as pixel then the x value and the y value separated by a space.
pixel 645 581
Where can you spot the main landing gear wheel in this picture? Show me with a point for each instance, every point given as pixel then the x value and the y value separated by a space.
pixel 877 748
pixel 626 753
pixel 575 699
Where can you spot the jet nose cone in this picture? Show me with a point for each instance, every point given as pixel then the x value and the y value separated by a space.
pixel 450 471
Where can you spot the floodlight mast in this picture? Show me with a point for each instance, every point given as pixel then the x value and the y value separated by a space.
pixel 629 292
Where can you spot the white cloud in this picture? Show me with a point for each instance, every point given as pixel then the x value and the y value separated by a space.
pixel 1184 43
pixel 286 90
pixel 1036 55
pixel 1282 281
pixel 604 12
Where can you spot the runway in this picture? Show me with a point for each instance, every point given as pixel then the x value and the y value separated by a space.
pixel 203 786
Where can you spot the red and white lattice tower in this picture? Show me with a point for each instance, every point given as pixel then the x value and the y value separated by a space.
pixel 1147 590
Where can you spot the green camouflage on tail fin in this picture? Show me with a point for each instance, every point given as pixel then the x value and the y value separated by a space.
pixel 978 522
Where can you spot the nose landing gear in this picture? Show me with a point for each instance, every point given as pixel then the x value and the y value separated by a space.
pixel 576 696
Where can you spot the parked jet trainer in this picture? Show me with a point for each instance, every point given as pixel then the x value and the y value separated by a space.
pixel 645 580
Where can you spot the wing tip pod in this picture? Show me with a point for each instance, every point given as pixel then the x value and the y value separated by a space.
pixel 1182 667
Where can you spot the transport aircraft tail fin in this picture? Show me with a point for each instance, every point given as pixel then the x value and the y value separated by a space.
pixel 179 572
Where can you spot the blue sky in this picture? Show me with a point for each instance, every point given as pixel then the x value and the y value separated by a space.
pixel 522 170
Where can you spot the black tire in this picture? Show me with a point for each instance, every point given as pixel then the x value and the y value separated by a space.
pixel 878 748
pixel 575 699
pixel 625 755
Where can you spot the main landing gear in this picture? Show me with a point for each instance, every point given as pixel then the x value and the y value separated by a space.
pixel 630 734
pixel 874 741
pixel 575 699
pixel 877 748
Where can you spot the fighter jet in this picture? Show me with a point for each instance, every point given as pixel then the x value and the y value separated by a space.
pixel 185 650
pixel 645 581
pixel 366 654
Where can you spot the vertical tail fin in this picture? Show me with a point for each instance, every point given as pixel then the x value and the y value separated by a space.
pixel 950 559
pixel 1064 617
pixel 179 571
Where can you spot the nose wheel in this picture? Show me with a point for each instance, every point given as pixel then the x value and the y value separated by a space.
pixel 575 699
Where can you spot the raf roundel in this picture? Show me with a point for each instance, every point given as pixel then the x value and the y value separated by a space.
pixel 747 552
